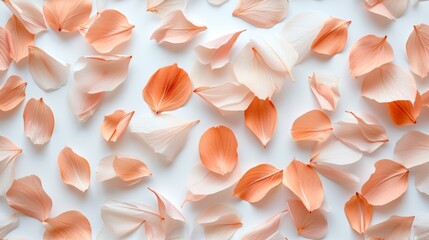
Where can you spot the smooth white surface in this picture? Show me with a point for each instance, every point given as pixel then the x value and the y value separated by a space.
pixel 170 180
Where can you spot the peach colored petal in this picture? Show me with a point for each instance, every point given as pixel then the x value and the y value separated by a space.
pixel 332 38
pixel 163 7
pixel 12 93
pixel 255 184
pixel 74 169
pixel 83 105
pixel 333 151
pixel 68 225
pixel 314 125
pixel 421 227
pixel 369 53
pixel 169 88
pixel 262 13
pixel 227 98
pixel 39 121
pixel 101 73
pixel 109 30
pixel 389 83
pixel 304 182
pixel 421 179
pixel 425 99
pixel 176 29
pixel 261 118
pixel 5 46
pixel 115 124
pixel 412 149
pixel 218 150
pixel 370 127
pixel 312 224
pixel 130 169
pixel 190 197
pixel 216 52
pixel 358 212
pixel 395 227
pixel 67 15
pixel 203 76
pixel 27 196
pixel 7 224
pixel 219 222
pixel 8 153
pixel 418 50
pixel 20 38
pixel 47 72
pixel 389 9
pixel 28 13
pixel 405 113
pixel 337 173
pixel 264 230
pixel 387 183
pixel 217 2
pixel 324 86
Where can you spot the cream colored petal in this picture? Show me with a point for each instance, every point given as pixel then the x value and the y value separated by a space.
pixel 28 13
pixel 20 37
pixel 74 169
pixel 324 86
pixel 105 169
pixel 83 105
pixel 163 7
pixel 219 222
pixel 12 93
pixel 38 121
pixel 262 13
pixel 67 15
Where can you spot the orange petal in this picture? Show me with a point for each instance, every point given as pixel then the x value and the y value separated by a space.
pixel 68 225
pixel 67 15
pixel 219 222
pixel 332 38
pixel 130 169
pixel 8 153
pixel 308 224
pixel 20 37
pixel 262 13
pixel 28 13
pixel 324 86
pixel 395 227
pixel 389 9
pixel 417 50
pixel 83 104
pixel 261 118
pixel 255 184
pixel 175 29
pixel 265 230
pixel 74 169
pixel 12 93
pixel 27 196
pixel 163 7
pixel 168 89
pixel 387 183
pixel 412 149
pixel 304 182
pixel 109 30
pixel 405 113
pixel 358 212
pixel 314 125
pixel 38 121
pixel 389 83
pixel 369 53
pixel 115 124
pixel 5 46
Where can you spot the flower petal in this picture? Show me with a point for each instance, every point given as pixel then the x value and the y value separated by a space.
pixel 68 225
pixel 351 134
pixel 219 222
pixel 358 212
pixel 324 86
pixel 395 227
pixel 169 88
pixel 8 153
pixel 412 149
pixel 405 113
pixel 309 224
pixel 370 127
pixel 74 169
pixel 314 125
pixel 421 227
pixel 333 151
pixel 130 169
pixel 337 173
pixel 38 121
pixel 27 196
pixel 28 13
pixel 264 230
pixel 421 179
pixel 12 93
pixel 261 118
pixel 262 13
pixel 417 50
pixel 332 37
pixel 115 124
pixel 389 9
pixel 7 224
pixel 20 37
pixel 5 46
pixel 67 15
pixel 83 104
pixel 163 7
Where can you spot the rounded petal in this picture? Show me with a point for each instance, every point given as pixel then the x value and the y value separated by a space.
pixel 219 222
pixel 28 13
pixel 38 121
pixel 262 13
pixel 308 224
pixel 412 149
pixel 163 7
pixel 68 225
pixel 20 37
pixel 12 93
pixel 314 125
pixel 404 113
pixel 74 169
pixel 418 50
pixel 395 227
pixel 67 15
pixel 261 118
pixel 130 169
pixel 359 213
pixel 332 38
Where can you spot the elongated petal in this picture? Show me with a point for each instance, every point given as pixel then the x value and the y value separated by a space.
pixel 389 9
pixel 48 72
pixel 405 113
pixel 359 213
pixel 337 173
pixel 38 121
pixel 262 13
pixel 169 88
pixel 20 37
pixel 67 15
pixel 314 125
pixel 163 7
pixel 165 134
pixel 370 127
pixel 68 225
pixel 219 222
pixel 255 184
pixel 261 118
pixel 369 53
pixel 8 153
pixel 74 169
pixel 129 169
pixel 387 183
pixel 418 50
pixel 264 230
pixel 83 105
pixel 228 97
pixel 412 149
pixel 12 93
pixel 115 124
pixel 5 46
pixel 312 224
pixel 333 151
pixel 304 182
pixel 7 224
pixel 109 30
pixel 421 227
pixel 27 196
pixel 28 13
pixel 324 86
pixel 217 51
pixel 176 29
pixel 351 134
pixel 332 37
pixel 101 73
pixel 395 227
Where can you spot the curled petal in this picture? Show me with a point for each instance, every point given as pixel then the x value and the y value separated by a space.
pixel 68 225
pixel 351 134
pixel 261 118
pixel 163 7
pixel 332 38
pixel 115 124
pixel 219 222
pixel 176 29
pixel 405 113
pixel 28 13
pixel 67 15
pixel 314 125
pixel 7 224
pixel 265 230
pixel 369 53
pixel 389 9
pixel 395 227
pixel 169 88
pixel 12 93
pixel 20 37
pixel 38 121
pixel 412 149
pixel 5 46
pixel 418 50
pixel 325 88
pixel 308 224
pixel 358 212
pixel 83 105
pixel 371 128
pixel 27 196
pixel 262 13
pixel 74 169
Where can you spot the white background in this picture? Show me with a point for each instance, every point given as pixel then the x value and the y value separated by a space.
pixel 170 180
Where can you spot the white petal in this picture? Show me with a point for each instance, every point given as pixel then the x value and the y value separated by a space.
pixel 7 224
pixel 105 169
pixel 219 222
pixel 333 151
pixel 421 227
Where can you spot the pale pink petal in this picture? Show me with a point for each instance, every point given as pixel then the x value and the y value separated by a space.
pixel 68 225
pixel 67 15
pixel 262 13
pixel 219 222
pixel 394 228
pixel 5 46
pixel 264 230
pixel 20 38
pixel 115 124
pixel 8 153
pixel 421 227
pixel 83 105
pixel 389 9
pixel 7 224
pixel 412 149
pixel 74 169
pixel 418 50
pixel 12 93
pixel 333 151
pixel 312 224
pixel 190 197
pixel 28 13
pixel 337 173
pixel 324 86
pixel 421 179
pixel 350 133
pixel 163 7
pixel 39 121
